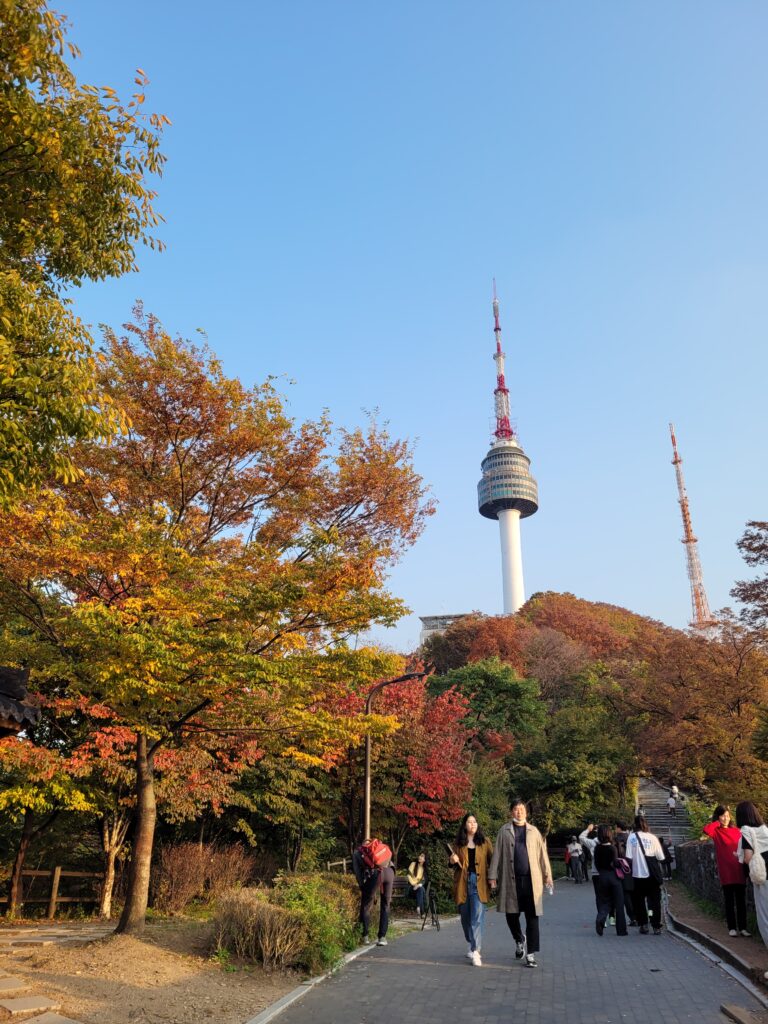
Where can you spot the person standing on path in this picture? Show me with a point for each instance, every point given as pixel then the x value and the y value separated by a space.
pixel 520 868
pixel 646 854
pixel 732 879
pixel 620 837
pixel 470 861
pixel 610 894
pixel 672 805
pixel 753 843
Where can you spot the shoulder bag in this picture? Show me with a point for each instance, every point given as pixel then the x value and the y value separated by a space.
pixel 757 871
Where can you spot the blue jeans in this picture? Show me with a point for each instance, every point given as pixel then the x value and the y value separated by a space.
pixel 472 913
pixel 419 894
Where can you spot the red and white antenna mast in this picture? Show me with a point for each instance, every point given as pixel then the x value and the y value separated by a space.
pixel 702 617
pixel 503 429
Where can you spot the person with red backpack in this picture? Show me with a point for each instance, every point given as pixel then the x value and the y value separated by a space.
pixel 371 864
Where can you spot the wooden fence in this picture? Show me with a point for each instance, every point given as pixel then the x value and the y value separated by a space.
pixel 53 898
pixel 333 865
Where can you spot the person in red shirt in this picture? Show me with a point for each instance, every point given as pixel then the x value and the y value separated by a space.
pixel 726 838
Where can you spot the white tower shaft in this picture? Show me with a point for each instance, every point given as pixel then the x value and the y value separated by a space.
pixel 511 560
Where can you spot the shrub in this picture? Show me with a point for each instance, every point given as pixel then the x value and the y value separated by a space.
pixel 179 876
pixel 328 906
pixel 305 920
pixel 227 868
pixel 248 925
pixel 185 872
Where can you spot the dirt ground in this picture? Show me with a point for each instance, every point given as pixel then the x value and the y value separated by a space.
pixel 167 977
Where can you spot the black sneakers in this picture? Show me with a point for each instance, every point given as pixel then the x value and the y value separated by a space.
pixel 519 950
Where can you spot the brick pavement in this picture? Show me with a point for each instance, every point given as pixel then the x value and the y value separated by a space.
pixel 424 978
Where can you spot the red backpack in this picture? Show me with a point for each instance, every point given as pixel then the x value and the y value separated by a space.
pixel 375 854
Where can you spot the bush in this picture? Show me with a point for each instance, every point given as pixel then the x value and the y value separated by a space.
pixel 305 920
pixel 249 926
pixel 186 872
pixel 328 905
pixel 179 877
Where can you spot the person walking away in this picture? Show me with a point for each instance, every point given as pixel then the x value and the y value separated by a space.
pixel 620 837
pixel 386 885
pixel 733 882
pixel 672 805
pixel 666 845
pixel 470 860
pixel 610 895
pixel 675 792
pixel 754 843
pixel 574 850
pixel 520 869
pixel 645 852
pixel 416 879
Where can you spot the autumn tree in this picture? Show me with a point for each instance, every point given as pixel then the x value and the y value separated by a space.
pixel 203 578
pixel 76 201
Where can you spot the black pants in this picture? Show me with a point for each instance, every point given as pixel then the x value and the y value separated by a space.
pixel 610 900
pixel 525 905
pixel 368 891
pixel 735 906
pixel 629 907
pixel 650 890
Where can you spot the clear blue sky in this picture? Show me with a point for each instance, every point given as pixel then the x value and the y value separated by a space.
pixel 345 179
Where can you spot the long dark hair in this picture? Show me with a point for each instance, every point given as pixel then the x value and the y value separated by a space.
pixel 604 834
pixel 748 814
pixel 720 810
pixel 461 835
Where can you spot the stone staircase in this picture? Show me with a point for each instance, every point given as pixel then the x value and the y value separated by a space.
pixel 652 796
pixel 18 997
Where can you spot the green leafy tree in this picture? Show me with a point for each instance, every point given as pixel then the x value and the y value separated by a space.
pixel 75 203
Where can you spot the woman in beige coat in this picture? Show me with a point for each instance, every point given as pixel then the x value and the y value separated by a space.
pixel 520 868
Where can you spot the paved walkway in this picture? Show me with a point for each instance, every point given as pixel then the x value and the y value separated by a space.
pixel 424 978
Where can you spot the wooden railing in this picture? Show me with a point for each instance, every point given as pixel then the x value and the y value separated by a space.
pixel 332 865
pixel 53 898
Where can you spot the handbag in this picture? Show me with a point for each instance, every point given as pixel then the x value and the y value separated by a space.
pixel 622 867
pixel 654 865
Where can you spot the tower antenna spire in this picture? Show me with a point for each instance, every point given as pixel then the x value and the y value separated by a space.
pixel 501 394
pixel 507 491
pixel 701 615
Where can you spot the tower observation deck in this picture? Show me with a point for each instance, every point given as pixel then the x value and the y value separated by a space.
pixel 507 491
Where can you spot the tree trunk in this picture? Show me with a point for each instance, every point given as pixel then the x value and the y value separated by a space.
pixel 133 918
pixel 15 893
pixel 113 832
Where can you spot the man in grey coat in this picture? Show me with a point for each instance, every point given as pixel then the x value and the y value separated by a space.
pixel 520 868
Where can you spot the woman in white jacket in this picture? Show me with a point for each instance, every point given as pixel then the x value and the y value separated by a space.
pixel 754 843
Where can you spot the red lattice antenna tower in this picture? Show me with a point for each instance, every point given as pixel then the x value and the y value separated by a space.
pixel 702 617
pixel 503 429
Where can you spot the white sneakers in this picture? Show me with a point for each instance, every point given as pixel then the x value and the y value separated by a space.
pixel 476 959
pixel 733 933
pixel 469 954
pixel 745 933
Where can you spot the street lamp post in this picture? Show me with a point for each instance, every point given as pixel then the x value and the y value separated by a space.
pixel 367 790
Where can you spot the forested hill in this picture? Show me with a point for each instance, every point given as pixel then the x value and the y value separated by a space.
pixel 617 693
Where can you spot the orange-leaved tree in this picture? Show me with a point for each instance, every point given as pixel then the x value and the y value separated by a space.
pixel 204 577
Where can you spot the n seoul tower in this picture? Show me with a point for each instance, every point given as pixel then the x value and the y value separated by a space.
pixel 507 491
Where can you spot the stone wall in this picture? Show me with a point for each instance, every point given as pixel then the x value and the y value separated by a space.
pixel 697 869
